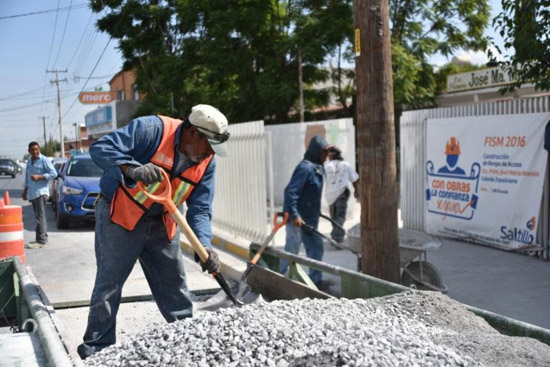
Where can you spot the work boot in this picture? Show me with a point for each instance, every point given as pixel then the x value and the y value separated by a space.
pixel 324 285
pixel 36 245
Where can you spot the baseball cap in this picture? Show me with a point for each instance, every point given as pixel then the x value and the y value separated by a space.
pixel 213 124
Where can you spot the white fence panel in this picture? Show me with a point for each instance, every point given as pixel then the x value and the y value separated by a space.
pixel 240 201
pixel 413 157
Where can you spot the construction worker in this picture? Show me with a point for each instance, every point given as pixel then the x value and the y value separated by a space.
pixel 130 227
pixel 452 150
pixel 339 175
pixel 37 174
pixel 302 201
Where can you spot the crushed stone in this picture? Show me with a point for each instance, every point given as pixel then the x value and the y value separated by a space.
pixel 412 328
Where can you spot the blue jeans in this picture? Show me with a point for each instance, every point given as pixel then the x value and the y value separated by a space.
pixel 313 244
pixel 116 251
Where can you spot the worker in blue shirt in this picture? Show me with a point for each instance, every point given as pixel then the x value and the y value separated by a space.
pixel 37 174
pixel 130 227
pixel 302 200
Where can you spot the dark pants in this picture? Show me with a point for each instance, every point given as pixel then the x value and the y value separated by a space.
pixel 116 251
pixel 338 211
pixel 39 207
pixel 313 244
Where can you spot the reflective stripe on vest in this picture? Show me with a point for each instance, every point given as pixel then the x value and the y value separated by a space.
pixel 129 204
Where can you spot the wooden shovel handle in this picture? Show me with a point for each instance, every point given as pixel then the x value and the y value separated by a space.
pixel 190 235
pixel 165 198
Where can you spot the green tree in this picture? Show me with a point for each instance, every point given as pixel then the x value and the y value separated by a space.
pixel 50 148
pixel 239 55
pixel 424 28
pixel 421 29
pixel 524 26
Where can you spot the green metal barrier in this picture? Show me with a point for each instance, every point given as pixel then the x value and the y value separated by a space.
pixel 358 285
pixel 23 304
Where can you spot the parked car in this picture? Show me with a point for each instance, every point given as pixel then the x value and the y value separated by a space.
pixel 58 164
pixel 8 167
pixel 77 191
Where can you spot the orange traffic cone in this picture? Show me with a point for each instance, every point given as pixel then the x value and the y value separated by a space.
pixel 7 200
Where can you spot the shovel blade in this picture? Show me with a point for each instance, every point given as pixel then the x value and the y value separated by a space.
pixel 242 292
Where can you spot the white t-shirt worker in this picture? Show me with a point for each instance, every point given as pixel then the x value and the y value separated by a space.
pixel 339 174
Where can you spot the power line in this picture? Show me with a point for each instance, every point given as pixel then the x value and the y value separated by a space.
pixel 91 73
pixel 63 36
pixel 80 41
pixel 26 106
pixel 66 8
pixel 20 94
pixel 53 37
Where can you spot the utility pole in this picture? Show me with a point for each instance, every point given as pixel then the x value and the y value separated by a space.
pixel 376 140
pixel 44 126
pixel 56 82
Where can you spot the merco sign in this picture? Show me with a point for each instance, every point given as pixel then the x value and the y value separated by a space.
pixel 94 97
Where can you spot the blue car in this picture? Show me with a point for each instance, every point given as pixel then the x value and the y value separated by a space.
pixel 77 191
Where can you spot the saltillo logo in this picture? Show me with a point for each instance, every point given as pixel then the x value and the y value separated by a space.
pixel 520 235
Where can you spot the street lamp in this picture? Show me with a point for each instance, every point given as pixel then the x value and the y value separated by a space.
pixel 75 133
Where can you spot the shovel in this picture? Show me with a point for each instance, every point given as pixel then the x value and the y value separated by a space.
pixel 165 198
pixel 339 246
pixel 243 287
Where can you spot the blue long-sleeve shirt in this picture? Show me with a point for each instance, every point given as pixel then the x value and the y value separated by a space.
pixel 303 193
pixel 136 144
pixel 41 166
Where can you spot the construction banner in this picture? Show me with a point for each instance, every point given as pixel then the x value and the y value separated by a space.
pixel 484 178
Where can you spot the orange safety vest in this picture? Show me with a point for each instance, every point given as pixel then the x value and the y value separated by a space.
pixel 129 204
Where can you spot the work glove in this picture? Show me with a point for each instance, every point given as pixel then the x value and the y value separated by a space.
pixel 212 264
pixel 148 173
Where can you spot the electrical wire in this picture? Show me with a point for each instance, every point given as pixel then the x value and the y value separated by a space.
pixel 53 36
pixel 20 94
pixel 58 9
pixel 91 73
pixel 80 41
pixel 63 35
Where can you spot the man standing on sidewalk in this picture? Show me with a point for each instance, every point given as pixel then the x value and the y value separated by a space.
pixel 37 174
pixel 339 174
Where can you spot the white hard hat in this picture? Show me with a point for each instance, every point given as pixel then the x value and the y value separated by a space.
pixel 212 123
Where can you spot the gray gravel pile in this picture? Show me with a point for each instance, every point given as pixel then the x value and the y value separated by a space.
pixel 406 329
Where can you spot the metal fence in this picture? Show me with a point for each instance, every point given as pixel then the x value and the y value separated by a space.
pixel 240 202
pixel 413 156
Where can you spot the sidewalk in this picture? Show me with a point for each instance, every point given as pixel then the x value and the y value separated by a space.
pixel 511 284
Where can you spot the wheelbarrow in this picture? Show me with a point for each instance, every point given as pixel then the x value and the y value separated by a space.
pixel 413 246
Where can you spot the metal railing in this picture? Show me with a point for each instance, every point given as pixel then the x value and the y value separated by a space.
pixel 240 201
pixel 413 157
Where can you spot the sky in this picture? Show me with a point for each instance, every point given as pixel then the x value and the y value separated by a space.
pixel 36 38
pixel 30 45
